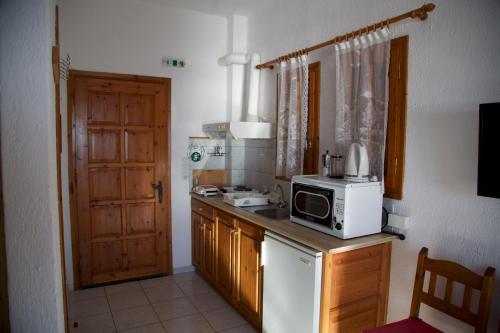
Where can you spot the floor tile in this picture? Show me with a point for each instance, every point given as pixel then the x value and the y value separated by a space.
pixel 224 318
pixel 241 329
pixel 195 286
pixel 83 294
pixel 88 307
pixel 155 328
pixel 135 317
pixel 163 293
pixel 127 300
pixel 188 324
pixel 173 309
pixel 157 282
pixel 122 287
pixel 208 301
pixel 187 276
pixel 102 323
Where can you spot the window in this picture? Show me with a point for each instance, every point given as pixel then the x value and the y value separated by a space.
pixel 311 153
pixel 396 119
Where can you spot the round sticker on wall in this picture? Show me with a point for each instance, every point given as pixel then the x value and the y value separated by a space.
pixel 195 156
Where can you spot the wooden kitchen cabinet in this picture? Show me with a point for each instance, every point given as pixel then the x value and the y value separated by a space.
pixel 208 251
pixel 203 240
pixel 225 254
pixel 249 272
pixel 355 289
pixel 196 239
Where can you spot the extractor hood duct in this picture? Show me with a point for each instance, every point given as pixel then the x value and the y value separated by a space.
pixel 242 126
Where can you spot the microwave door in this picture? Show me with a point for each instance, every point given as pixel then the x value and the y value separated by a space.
pixel 313 204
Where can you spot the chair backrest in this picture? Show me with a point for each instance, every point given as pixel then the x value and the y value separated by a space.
pixel 453 272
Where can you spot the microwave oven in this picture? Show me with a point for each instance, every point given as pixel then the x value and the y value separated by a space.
pixel 335 206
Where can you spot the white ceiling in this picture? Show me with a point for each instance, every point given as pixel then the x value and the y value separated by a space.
pixel 218 7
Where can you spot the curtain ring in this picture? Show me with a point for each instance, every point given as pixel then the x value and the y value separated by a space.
pixel 387 23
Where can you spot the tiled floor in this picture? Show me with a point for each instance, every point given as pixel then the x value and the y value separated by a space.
pixel 182 303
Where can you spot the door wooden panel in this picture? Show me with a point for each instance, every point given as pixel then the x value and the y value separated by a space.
pixel 249 290
pixel 140 218
pixel 141 252
pixel 104 183
pixel 120 141
pixel 138 183
pixel 104 146
pixel 225 253
pixel 106 257
pixel 103 108
pixel 139 109
pixel 139 146
pixel 106 221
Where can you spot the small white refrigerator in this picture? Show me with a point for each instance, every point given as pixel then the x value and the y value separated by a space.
pixel 292 286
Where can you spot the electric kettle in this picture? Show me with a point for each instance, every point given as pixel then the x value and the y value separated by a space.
pixel 357 164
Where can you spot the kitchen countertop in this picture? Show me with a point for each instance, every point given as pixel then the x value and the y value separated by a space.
pixel 303 235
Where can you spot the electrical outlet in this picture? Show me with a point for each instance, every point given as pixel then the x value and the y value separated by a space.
pixel 398 221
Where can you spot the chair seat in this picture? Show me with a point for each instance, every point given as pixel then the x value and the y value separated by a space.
pixel 405 326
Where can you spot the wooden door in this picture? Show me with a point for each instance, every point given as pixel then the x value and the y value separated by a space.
pixel 225 248
pixel 197 241
pixel 208 251
pixel 249 272
pixel 121 152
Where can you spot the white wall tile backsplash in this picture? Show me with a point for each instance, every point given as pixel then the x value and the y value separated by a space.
pixel 247 161
pixel 251 162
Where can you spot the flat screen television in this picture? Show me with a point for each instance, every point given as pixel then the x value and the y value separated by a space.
pixel 488 171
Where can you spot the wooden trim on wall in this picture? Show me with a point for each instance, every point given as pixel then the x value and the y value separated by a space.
pixel 57 92
pixel 394 166
pixel 4 297
pixel 73 74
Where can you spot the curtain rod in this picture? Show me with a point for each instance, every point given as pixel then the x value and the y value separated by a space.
pixel 420 13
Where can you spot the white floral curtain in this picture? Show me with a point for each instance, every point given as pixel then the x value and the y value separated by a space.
pixel 362 66
pixel 292 116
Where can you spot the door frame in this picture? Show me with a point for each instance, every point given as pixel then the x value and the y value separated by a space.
pixel 73 74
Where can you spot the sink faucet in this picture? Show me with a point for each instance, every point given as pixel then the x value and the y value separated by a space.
pixel 282 202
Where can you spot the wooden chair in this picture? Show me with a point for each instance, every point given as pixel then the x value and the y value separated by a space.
pixel 453 272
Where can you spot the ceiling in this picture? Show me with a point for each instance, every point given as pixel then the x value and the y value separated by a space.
pixel 218 7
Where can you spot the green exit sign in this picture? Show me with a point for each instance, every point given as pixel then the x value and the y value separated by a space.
pixel 173 62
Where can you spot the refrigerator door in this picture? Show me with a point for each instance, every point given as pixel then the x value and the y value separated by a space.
pixel 292 286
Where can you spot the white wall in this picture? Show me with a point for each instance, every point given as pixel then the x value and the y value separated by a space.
pixel 453 66
pixel 129 36
pixel 28 166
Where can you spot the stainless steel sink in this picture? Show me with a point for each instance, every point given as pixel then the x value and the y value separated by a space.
pixel 274 213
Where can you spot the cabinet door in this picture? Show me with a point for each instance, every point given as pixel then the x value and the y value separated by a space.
pixel 196 240
pixel 225 254
pixel 249 272
pixel 208 251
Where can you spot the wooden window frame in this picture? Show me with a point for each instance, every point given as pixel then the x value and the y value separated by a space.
pixel 394 164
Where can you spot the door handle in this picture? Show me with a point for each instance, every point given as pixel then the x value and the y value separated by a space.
pixel 159 187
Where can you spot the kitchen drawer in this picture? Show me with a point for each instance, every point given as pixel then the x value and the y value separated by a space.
pixel 202 209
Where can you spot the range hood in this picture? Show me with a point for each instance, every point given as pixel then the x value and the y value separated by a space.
pixel 243 76
pixel 240 130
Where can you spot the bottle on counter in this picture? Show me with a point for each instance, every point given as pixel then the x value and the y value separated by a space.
pixel 327 164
